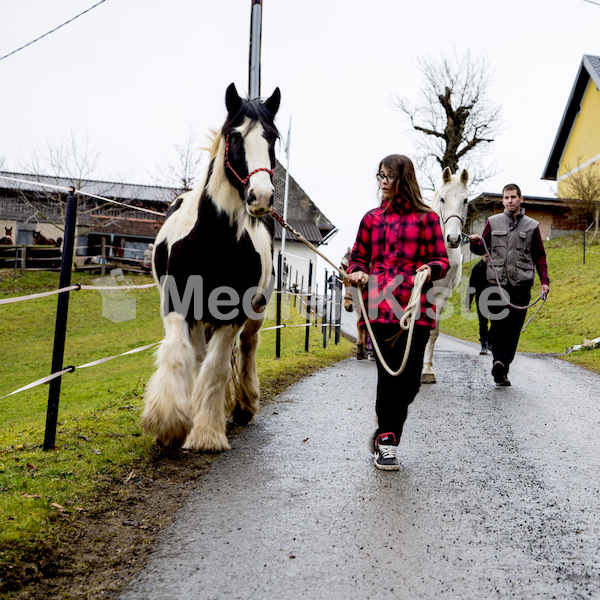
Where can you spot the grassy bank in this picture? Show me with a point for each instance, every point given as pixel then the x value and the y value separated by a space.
pixel 99 440
pixel 570 315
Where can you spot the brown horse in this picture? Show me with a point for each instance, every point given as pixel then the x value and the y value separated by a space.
pixel 7 239
pixel 350 305
pixel 40 240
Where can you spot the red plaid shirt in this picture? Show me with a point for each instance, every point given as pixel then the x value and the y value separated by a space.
pixel 390 245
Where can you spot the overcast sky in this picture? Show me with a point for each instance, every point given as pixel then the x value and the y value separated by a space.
pixel 134 77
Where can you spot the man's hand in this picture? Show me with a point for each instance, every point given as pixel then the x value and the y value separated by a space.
pixel 545 290
pixel 474 238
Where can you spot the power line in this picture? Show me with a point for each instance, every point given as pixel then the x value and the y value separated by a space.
pixel 51 31
pixel 592 2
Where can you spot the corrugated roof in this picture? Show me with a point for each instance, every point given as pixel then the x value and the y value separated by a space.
pixel 107 189
pixel 588 69
pixel 302 214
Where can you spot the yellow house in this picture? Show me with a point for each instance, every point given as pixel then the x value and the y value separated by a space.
pixel 575 155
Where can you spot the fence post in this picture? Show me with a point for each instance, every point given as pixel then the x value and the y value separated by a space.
pixel 278 307
pixel 60 330
pixel 324 319
pixel 103 256
pixel 308 302
pixel 338 310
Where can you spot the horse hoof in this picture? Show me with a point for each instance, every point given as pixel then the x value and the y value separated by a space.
pixel 212 441
pixel 241 416
pixel 428 378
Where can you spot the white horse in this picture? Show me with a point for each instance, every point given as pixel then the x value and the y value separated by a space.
pixel 450 202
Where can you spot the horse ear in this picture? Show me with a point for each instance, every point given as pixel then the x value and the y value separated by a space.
pixel 447 175
pixel 273 102
pixel 233 102
pixel 464 177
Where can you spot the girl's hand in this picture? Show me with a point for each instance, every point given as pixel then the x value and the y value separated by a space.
pixel 358 277
pixel 425 268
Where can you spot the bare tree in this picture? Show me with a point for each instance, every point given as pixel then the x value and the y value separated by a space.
pixel 184 172
pixel 454 116
pixel 582 188
pixel 73 159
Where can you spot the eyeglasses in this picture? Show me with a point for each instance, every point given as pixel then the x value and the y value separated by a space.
pixel 388 178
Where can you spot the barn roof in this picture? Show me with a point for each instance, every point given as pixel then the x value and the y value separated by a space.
pixel 588 69
pixel 303 215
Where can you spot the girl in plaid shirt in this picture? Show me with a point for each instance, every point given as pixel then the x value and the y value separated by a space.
pixel 396 240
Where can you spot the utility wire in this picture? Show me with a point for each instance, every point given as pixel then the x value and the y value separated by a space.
pixel 52 31
pixel 592 2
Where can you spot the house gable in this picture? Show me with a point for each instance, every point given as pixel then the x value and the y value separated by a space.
pixel 577 142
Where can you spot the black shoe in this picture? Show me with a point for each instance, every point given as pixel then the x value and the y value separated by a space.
pixel 499 371
pixel 484 349
pixel 384 456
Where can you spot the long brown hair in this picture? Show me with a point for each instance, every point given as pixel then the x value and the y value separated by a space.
pixel 405 185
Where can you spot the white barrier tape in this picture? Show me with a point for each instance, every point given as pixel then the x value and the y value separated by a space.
pixel 70 369
pixel 103 360
pixel 41 381
pixel 40 295
pixel 99 288
pixel 61 188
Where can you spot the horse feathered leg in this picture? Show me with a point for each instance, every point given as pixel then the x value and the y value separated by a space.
pixel 167 400
pixel 427 375
pixel 209 396
pixel 246 385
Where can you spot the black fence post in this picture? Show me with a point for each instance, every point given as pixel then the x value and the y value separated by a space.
pixel 308 303
pixel 338 310
pixel 60 329
pixel 278 307
pixel 324 319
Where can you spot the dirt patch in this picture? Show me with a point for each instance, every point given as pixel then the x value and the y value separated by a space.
pixel 98 552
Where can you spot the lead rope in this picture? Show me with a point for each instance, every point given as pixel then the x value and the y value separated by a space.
pixel 541 297
pixel 408 320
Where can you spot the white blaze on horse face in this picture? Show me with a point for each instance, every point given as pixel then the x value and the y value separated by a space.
pixel 451 203
pixel 259 190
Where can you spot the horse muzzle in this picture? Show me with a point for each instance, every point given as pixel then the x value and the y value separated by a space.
pixel 259 201
pixel 453 241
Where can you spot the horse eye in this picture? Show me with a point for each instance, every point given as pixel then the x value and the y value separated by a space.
pixel 466 200
pixel 442 200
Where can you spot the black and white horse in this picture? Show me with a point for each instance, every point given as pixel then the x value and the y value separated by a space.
pixel 213 260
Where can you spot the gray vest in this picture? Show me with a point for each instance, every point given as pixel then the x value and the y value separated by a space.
pixel 511 240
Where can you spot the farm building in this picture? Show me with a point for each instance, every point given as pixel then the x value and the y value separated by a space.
pixel 121 232
pixel 574 161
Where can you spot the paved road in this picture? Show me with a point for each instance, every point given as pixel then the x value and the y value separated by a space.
pixel 498 494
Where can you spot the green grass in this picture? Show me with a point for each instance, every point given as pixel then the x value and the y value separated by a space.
pixel 570 314
pixel 99 433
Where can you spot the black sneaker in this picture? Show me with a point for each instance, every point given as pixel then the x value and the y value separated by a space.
pixel 484 349
pixel 499 371
pixel 384 456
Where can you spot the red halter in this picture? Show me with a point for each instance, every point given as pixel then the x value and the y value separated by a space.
pixel 244 182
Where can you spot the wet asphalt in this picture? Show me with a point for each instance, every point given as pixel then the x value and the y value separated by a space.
pixel 498 493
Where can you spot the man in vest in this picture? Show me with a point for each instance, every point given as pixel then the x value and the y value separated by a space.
pixel 516 250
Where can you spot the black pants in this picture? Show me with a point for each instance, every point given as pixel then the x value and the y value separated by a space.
pixel 395 394
pixel 484 334
pixel 505 332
